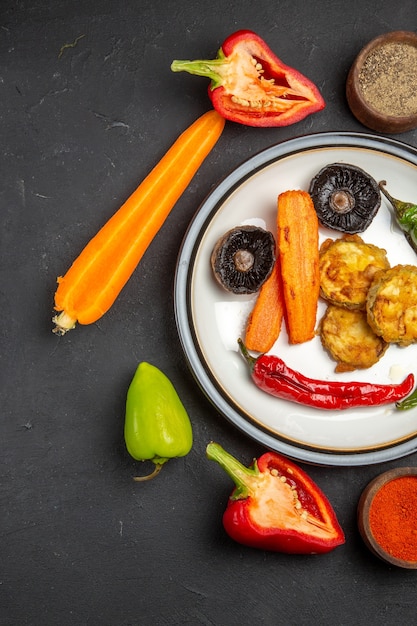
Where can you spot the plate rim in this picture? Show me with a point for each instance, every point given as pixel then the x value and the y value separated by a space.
pixel 183 274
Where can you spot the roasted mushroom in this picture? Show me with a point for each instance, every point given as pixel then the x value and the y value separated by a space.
pixel 243 259
pixel 345 197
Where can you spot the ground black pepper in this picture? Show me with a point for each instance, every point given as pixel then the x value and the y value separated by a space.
pixel 388 79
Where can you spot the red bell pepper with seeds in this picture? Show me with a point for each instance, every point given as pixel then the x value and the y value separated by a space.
pixel 276 506
pixel 252 86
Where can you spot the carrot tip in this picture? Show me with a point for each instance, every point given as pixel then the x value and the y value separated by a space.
pixel 63 323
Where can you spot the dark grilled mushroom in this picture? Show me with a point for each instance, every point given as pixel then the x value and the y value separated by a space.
pixel 243 259
pixel 345 197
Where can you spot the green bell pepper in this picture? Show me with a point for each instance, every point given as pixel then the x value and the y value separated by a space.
pixel 157 427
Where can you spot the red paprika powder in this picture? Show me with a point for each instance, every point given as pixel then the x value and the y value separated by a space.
pixel 393 517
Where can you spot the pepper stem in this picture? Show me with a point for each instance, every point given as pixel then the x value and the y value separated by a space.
pixel 408 403
pixel 210 69
pixel 385 192
pixel 142 479
pixel 243 477
pixel 251 360
pixel 403 210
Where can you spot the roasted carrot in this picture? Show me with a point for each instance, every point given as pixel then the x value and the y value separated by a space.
pixel 265 320
pixel 99 273
pixel 299 255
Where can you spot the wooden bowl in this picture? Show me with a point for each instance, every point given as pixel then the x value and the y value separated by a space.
pixel 385 99
pixel 364 507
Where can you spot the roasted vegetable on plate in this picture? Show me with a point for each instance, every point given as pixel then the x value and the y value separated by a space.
pixel 349 339
pixel 243 258
pixel 347 266
pixel 272 375
pixel 392 305
pixel 346 197
pixel 405 215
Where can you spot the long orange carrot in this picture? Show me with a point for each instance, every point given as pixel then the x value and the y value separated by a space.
pixel 99 273
pixel 299 254
pixel 265 320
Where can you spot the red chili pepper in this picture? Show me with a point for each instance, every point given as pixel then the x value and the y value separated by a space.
pixel 276 506
pixel 272 375
pixel 251 86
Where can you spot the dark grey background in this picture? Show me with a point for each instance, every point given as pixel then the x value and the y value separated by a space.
pixel 81 543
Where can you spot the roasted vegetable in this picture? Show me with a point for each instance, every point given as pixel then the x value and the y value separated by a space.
pixel 273 376
pixel 99 273
pixel 251 86
pixel 391 305
pixel 299 257
pixel 265 320
pixel 243 258
pixel 405 215
pixel 345 197
pixel 349 339
pixel 276 506
pixel 347 267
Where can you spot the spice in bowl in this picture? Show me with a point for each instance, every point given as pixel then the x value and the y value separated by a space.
pixel 380 88
pixel 387 518
pixel 387 79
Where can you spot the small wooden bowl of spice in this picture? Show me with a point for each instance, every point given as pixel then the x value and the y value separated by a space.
pixel 381 85
pixel 387 517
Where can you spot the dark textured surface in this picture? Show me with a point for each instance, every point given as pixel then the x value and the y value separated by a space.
pixel 88 105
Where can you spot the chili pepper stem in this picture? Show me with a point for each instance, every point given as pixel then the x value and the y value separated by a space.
pixel 408 403
pixel 251 360
pixel 381 185
pixel 399 206
pixel 245 478
pixel 142 479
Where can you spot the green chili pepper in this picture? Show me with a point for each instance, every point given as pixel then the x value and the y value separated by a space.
pixel 406 216
pixel 157 426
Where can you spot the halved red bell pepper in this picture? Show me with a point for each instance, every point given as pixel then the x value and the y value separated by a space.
pixel 277 506
pixel 252 86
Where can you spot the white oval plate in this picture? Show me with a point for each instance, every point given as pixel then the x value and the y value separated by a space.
pixel 210 320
